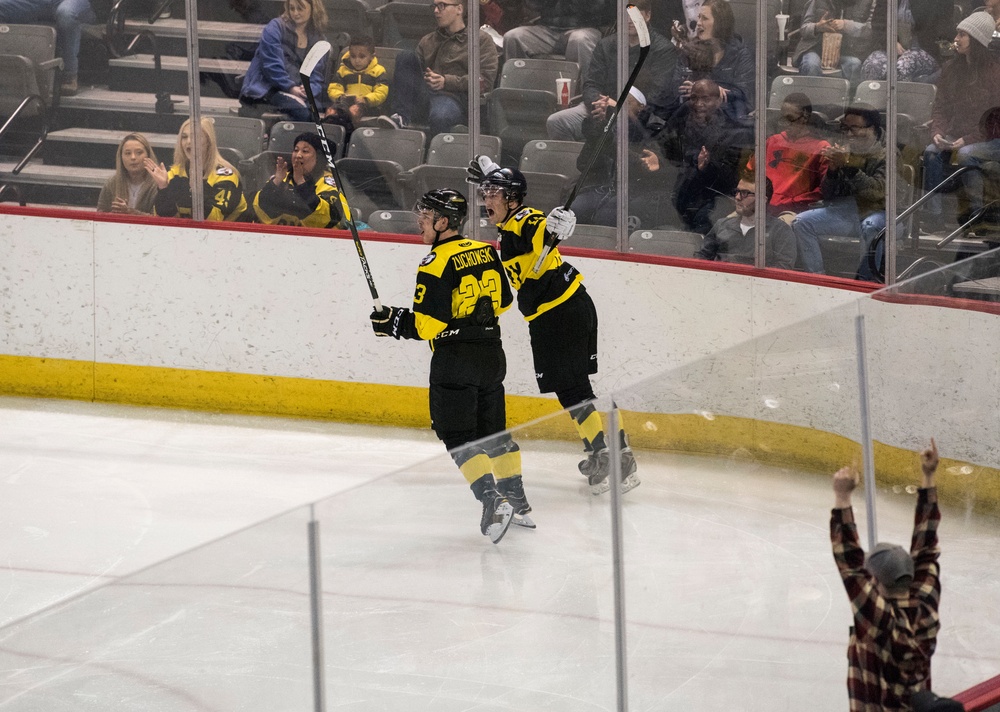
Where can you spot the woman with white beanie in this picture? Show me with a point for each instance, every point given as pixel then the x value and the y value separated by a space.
pixel 969 86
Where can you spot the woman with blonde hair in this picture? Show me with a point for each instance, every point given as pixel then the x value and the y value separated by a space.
pixel 131 189
pixel 273 76
pixel 220 180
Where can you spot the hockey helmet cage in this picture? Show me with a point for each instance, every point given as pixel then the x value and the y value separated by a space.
pixel 448 203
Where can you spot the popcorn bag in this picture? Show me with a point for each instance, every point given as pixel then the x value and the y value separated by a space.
pixel 830 58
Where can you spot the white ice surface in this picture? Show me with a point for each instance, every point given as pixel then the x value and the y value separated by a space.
pixel 732 597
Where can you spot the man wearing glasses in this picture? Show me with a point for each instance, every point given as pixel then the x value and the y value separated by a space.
pixel 853 189
pixel 733 239
pixel 432 84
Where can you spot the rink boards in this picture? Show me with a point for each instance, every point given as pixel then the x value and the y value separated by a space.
pixel 253 322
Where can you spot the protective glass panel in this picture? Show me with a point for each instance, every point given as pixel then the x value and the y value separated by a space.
pixel 692 142
pixel 729 580
pixel 946 135
pixel 931 346
pixel 422 610
pixel 224 626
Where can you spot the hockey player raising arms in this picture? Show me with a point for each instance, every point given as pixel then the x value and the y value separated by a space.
pixel 562 320
pixel 461 289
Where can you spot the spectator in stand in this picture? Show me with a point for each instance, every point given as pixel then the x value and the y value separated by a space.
pixel 272 80
pixel 734 238
pixel 978 154
pixel 916 48
pixel 568 27
pixel 853 189
pixel 359 89
pixel 602 78
pixel 794 158
pixel 730 63
pixel 432 83
pixel 708 144
pixel 968 88
pixel 596 202
pixel 303 194
pixel 223 194
pixel 69 16
pixel 894 596
pixel 131 190
pixel 503 15
pixel 851 19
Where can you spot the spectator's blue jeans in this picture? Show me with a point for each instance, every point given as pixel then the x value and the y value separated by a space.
pixel 291 105
pixel 413 100
pixel 937 167
pixel 839 217
pixel 69 16
pixel 977 154
pixel 812 66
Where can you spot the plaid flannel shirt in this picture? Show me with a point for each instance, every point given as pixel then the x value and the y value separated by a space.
pixel 892 640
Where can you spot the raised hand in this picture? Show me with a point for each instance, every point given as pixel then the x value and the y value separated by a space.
pixel 929 463
pixel 158 172
pixel 280 171
pixel 480 167
pixel 845 480
pixel 560 223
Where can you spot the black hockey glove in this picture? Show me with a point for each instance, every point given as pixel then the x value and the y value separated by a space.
pixel 479 168
pixel 397 322
pixel 382 321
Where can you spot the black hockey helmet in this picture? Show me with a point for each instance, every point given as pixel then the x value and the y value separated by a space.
pixel 510 180
pixel 446 202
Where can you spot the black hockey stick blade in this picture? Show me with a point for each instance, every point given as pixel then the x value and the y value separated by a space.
pixel 314 57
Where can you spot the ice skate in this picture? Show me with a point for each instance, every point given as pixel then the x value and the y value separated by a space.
pixel 513 489
pixel 597 466
pixel 497 515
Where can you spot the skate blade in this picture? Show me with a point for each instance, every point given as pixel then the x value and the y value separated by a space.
pixel 523 520
pixel 630 483
pixel 600 488
pixel 496 531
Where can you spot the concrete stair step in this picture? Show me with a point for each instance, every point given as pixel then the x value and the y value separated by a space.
pixel 137 73
pixel 57 185
pixel 96 148
pixel 101 107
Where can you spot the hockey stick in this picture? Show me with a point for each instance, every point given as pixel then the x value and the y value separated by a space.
pixel 318 51
pixel 643 31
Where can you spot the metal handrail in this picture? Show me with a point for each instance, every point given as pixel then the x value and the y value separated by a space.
pixel 17 192
pixel 116 29
pixel 916 263
pixel 44 131
pixel 876 269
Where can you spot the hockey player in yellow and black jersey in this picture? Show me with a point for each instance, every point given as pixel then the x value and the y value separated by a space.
pixel 305 194
pixel 562 320
pixel 461 290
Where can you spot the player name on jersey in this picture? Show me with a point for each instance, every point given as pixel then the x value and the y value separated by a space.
pixel 473 258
